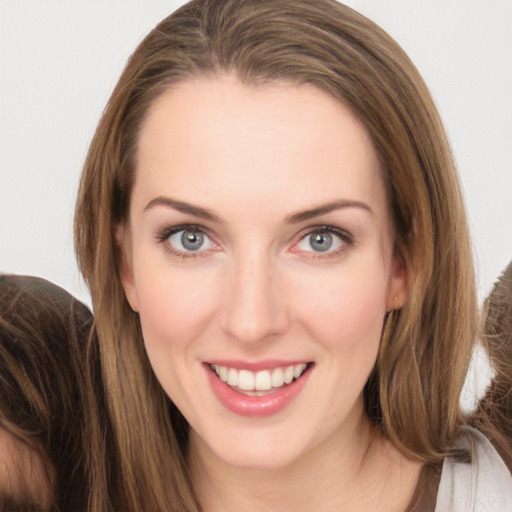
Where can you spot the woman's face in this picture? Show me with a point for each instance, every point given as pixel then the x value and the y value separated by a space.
pixel 259 255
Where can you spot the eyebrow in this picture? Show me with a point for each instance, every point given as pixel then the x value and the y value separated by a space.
pixel 183 207
pixel 326 208
pixel 204 213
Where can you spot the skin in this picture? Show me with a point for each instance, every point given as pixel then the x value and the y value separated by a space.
pixel 254 157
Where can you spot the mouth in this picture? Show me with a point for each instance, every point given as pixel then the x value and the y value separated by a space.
pixel 260 393
pixel 261 383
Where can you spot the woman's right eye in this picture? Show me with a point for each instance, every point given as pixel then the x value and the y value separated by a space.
pixel 187 241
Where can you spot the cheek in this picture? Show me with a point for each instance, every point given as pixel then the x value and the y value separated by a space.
pixel 174 305
pixel 343 314
pixel 347 310
pixel 174 308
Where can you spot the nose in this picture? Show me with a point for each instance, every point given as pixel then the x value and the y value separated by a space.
pixel 255 306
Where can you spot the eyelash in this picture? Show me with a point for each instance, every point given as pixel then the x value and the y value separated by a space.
pixel 346 238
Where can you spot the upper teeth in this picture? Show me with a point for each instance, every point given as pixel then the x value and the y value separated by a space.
pixel 260 381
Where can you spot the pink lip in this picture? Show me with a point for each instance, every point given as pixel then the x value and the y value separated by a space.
pixel 255 406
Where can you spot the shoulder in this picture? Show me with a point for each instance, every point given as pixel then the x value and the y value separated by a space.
pixel 483 484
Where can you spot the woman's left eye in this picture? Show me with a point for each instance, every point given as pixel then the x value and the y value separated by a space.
pixel 325 240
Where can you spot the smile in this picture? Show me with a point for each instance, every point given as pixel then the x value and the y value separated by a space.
pixel 260 393
pixel 265 380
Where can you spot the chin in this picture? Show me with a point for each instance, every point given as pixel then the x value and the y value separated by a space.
pixel 260 460
pixel 256 448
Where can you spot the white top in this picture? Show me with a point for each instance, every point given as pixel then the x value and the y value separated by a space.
pixel 482 485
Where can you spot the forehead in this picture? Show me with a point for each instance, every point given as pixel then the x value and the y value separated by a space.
pixel 217 136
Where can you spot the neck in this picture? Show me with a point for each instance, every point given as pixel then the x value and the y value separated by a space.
pixel 360 472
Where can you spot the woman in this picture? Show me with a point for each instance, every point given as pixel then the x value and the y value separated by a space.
pixel 271 227
pixel 49 416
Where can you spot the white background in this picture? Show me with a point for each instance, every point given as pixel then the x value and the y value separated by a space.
pixel 59 61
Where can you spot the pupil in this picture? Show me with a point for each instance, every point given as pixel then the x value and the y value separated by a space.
pixel 192 240
pixel 321 242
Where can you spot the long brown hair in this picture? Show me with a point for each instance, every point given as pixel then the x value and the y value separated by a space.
pixel 412 396
pixel 49 402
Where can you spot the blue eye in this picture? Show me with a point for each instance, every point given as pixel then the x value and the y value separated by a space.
pixel 190 240
pixel 323 240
